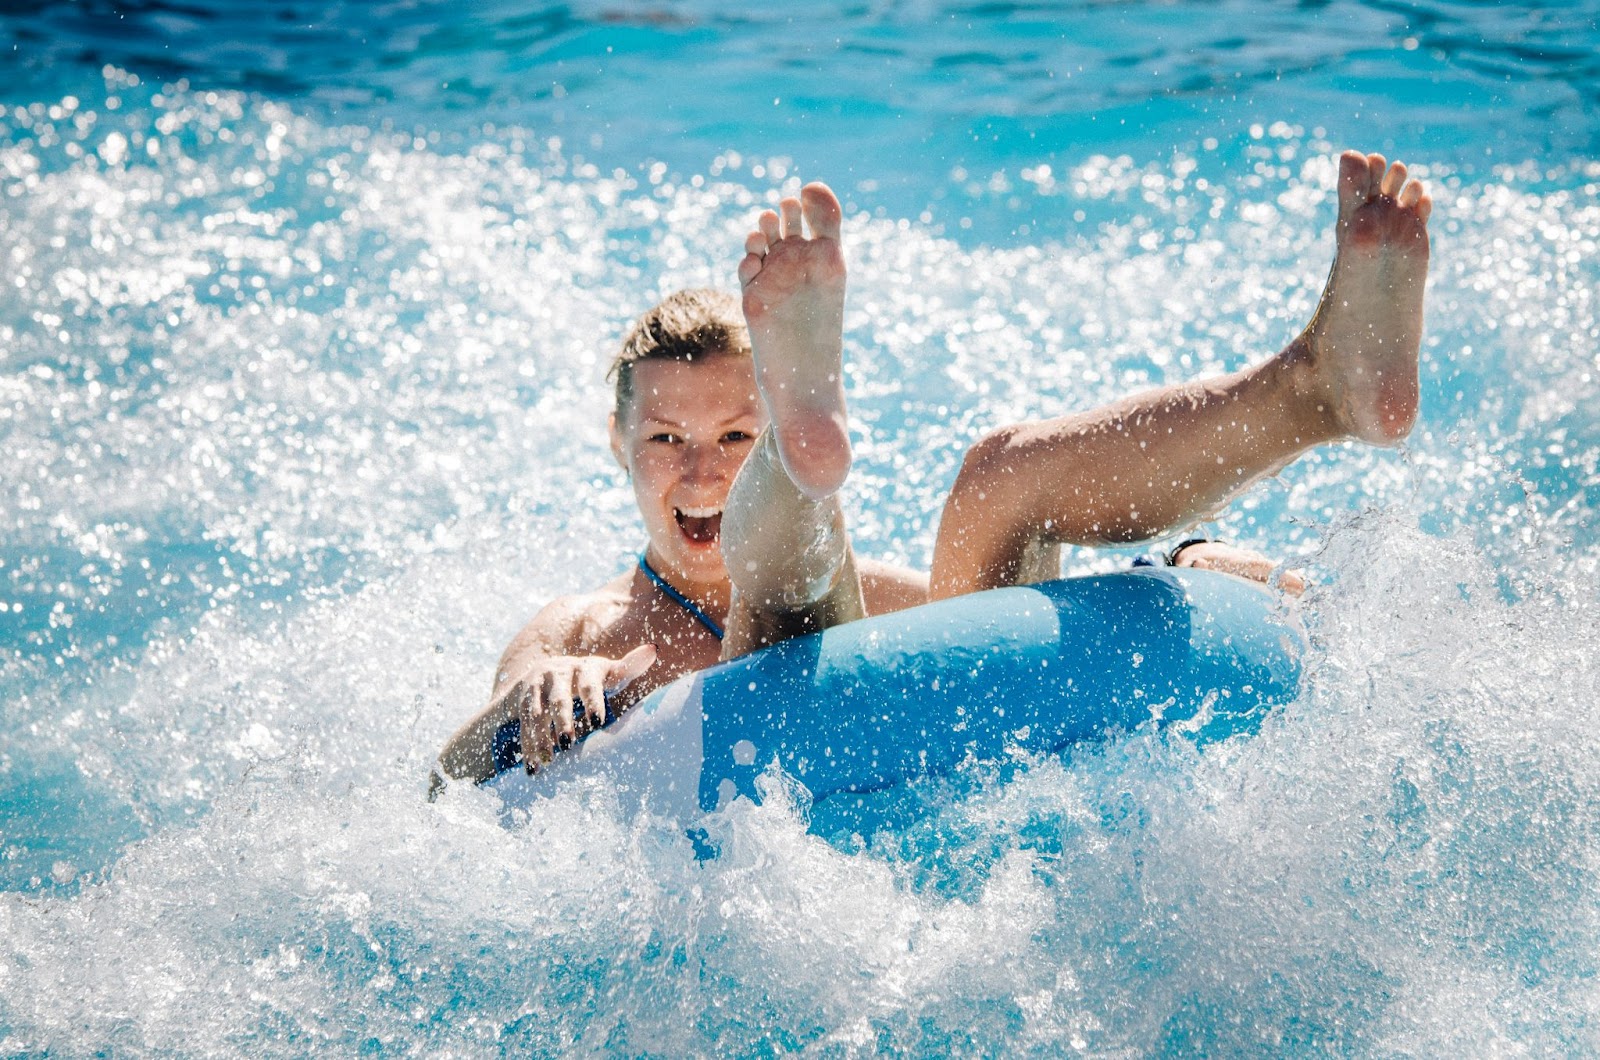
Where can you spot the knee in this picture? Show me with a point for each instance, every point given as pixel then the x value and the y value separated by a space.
pixel 987 466
pixel 986 507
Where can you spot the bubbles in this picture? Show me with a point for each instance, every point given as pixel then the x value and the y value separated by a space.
pixel 305 421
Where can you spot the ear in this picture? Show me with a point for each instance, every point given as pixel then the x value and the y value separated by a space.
pixel 614 429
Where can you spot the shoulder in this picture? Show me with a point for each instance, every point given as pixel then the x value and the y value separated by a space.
pixel 887 587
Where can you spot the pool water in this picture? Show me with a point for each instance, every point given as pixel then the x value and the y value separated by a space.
pixel 304 314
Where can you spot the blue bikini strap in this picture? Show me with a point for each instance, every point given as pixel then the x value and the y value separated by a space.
pixel 678 598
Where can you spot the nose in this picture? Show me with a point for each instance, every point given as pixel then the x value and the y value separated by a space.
pixel 709 463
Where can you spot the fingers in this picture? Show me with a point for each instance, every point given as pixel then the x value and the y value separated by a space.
pixel 630 667
pixel 543 707
pixel 550 701
pixel 555 714
pixel 1242 563
pixel 535 735
pixel 588 689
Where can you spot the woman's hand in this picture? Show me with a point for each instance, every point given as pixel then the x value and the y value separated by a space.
pixel 1215 555
pixel 544 697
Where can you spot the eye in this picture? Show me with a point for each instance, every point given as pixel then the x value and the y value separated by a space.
pixel 734 437
pixel 664 438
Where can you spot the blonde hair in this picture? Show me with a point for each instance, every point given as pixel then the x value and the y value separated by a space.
pixel 684 326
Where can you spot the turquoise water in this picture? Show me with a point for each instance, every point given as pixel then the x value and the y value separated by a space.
pixel 303 318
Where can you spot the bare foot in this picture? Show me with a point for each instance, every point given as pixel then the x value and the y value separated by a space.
pixel 794 304
pixel 1364 337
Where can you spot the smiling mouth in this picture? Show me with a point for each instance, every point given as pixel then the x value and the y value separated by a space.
pixel 700 525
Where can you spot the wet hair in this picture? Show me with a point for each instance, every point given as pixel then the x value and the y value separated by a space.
pixel 684 326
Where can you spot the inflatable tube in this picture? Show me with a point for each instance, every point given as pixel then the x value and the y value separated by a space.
pixel 866 706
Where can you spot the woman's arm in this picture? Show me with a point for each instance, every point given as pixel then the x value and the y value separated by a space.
pixel 539 682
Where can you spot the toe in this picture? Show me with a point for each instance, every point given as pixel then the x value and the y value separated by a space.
pixel 1353 171
pixel 769 225
pixel 1352 182
pixel 1393 180
pixel 1409 194
pixel 790 209
pixel 749 267
pixel 1424 207
pixel 1376 164
pixel 821 207
pixel 756 243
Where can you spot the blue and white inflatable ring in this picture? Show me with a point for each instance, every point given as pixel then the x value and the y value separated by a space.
pixel 869 705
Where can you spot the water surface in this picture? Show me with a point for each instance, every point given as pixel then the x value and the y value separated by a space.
pixel 302 331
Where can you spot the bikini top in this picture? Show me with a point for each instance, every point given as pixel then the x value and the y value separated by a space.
pixel 678 598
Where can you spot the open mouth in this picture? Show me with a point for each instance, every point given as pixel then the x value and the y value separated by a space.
pixel 700 525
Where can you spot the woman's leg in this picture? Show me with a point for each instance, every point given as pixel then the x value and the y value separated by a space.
pixel 783 533
pixel 1168 458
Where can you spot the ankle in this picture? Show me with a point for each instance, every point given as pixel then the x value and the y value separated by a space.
pixel 1304 389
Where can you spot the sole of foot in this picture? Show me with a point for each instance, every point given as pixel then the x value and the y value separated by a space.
pixel 1367 331
pixel 793 286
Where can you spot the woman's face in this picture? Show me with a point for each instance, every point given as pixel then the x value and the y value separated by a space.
pixel 682 439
